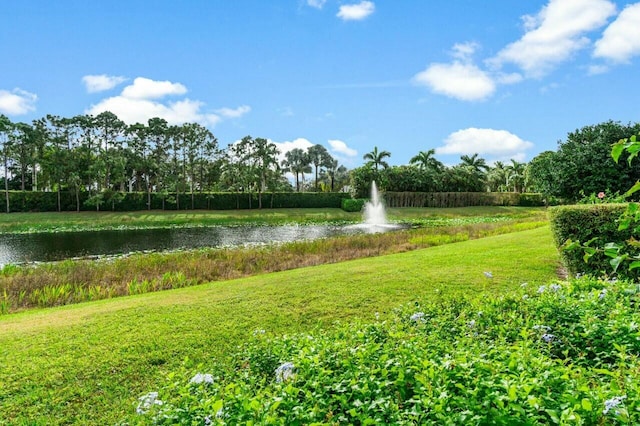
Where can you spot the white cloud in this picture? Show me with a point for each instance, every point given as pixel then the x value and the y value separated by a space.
pixel 597 69
pixel 340 147
pixel 233 112
pixel 318 4
pixel 17 102
pixel 464 51
pixel 145 88
pixel 459 80
pixel 554 35
pixel 287 146
pixel 102 82
pixel 141 110
pixel 356 12
pixel 140 101
pixel 499 143
pixel 620 41
pixel 508 78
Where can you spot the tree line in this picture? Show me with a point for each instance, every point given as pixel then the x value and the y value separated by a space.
pixel 104 157
pixel 425 173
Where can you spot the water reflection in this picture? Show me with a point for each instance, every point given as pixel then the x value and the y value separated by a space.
pixel 20 248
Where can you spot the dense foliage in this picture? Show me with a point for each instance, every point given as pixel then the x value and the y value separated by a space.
pixel 591 225
pixel 471 175
pixel 565 353
pixel 97 158
pixel 583 163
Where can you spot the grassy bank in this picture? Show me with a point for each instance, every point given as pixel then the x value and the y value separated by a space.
pixel 88 363
pixel 78 221
pixel 76 281
pixel 561 354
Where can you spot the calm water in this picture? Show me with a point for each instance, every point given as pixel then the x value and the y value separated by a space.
pixel 50 247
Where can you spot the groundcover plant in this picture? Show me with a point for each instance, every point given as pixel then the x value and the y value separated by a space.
pixel 563 353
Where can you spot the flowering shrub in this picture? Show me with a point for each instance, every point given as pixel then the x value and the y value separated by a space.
pixel 602 197
pixel 565 355
pixel 622 250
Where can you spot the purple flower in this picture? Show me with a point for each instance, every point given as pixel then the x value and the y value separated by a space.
pixel 147 401
pixel 201 378
pixel 285 372
pixel 418 316
pixel 612 403
pixel 548 337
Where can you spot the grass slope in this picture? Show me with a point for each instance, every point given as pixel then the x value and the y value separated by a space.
pixel 88 363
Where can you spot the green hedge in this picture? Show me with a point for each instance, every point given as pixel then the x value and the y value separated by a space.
pixel 582 223
pixel 353 204
pixel 531 200
pixel 27 201
pixel 461 199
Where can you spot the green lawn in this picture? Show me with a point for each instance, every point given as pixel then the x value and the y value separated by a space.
pixel 88 363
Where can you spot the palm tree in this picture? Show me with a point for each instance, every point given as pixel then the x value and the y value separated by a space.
pixel 319 157
pixel 376 158
pixel 516 175
pixel 297 162
pixel 474 168
pixel 266 157
pixel 477 164
pixel 425 160
pixel 497 177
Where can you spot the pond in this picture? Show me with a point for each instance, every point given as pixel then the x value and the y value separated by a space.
pixel 47 247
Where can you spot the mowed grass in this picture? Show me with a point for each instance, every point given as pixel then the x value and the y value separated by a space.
pixel 88 363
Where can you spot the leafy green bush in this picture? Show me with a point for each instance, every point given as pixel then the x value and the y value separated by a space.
pixel 566 353
pixel 591 225
pixel 353 204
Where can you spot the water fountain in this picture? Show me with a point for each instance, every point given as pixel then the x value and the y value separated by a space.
pixel 375 215
pixel 374 211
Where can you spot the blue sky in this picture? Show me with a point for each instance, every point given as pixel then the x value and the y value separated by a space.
pixel 506 79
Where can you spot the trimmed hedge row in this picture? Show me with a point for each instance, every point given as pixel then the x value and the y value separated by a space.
pixel 461 199
pixel 449 199
pixel 582 223
pixel 27 201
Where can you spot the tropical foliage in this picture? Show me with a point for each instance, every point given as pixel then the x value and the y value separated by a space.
pixel 426 174
pixel 583 163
